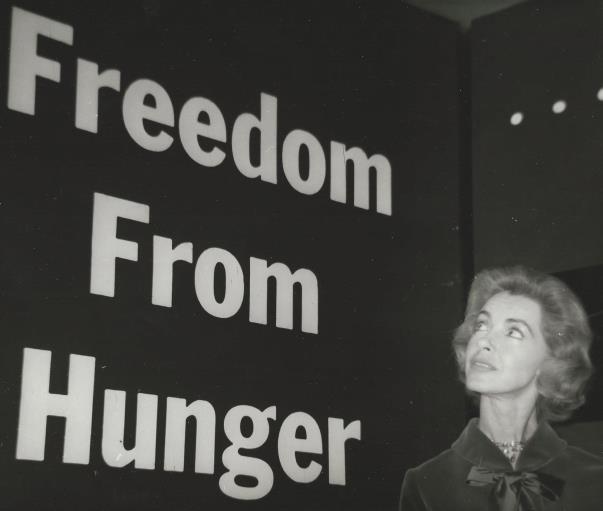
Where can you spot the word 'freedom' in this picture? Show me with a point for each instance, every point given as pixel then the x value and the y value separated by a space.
pixel 146 100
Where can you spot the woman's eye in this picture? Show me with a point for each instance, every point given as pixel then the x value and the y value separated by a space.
pixel 516 333
pixel 480 326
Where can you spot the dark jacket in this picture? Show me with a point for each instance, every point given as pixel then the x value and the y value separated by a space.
pixel 549 476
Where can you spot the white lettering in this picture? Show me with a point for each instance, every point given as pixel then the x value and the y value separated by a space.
pixel 241 141
pixel 259 272
pixel 25 63
pixel 37 403
pixel 89 82
pixel 339 156
pixel 191 128
pixel 299 433
pixel 338 434
pixel 237 464
pixel 205 279
pixel 106 246
pixel 317 164
pixel 289 444
pixel 175 435
pixel 135 111
pixel 146 100
pixel 164 257
pixel 114 452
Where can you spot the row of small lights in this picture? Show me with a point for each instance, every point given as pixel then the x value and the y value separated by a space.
pixel 557 108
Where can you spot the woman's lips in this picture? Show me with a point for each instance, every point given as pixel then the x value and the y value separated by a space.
pixel 482 365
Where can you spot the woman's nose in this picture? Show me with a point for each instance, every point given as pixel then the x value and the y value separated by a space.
pixel 485 342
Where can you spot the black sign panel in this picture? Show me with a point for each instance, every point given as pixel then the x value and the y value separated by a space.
pixel 230 257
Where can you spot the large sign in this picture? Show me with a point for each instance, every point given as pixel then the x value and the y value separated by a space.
pixel 230 250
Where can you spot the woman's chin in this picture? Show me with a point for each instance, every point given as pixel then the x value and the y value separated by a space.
pixel 482 385
pixel 491 387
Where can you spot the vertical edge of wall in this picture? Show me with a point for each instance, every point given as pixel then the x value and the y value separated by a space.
pixel 465 87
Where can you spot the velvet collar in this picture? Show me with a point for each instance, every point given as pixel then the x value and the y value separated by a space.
pixel 474 446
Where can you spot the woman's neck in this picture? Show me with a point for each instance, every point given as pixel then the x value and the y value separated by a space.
pixel 505 419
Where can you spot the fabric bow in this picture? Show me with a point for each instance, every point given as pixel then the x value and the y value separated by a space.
pixel 516 491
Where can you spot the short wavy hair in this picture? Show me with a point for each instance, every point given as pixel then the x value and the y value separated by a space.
pixel 563 378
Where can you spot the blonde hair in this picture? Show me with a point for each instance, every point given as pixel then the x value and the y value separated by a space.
pixel 563 378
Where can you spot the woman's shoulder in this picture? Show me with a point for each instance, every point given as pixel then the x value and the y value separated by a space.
pixel 584 445
pixel 440 462
pixel 585 459
pixel 435 483
pixel 582 474
pixel 448 461
pixel 584 439
pixel 442 467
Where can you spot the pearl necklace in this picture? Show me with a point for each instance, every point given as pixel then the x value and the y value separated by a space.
pixel 511 450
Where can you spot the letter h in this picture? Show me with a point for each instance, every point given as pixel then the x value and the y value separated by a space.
pixel 37 403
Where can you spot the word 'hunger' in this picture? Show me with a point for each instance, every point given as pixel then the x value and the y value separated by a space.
pixel 37 403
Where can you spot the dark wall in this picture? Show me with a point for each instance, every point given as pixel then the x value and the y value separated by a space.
pixel 587 282
pixel 537 184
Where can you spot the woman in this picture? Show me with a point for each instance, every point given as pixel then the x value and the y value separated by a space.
pixel 522 350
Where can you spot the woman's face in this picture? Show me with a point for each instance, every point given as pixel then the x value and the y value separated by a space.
pixel 507 348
